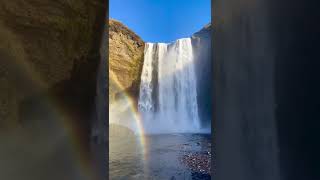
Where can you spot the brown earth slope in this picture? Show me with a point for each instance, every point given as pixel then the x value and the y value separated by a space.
pixel 125 60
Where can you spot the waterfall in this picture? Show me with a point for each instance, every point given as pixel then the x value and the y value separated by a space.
pixel 168 92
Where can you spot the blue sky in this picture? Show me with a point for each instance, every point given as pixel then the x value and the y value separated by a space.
pixel 162 20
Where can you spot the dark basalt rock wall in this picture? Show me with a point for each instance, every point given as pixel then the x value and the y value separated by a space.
pixel 50 53
pixel 244 111
pixel 296 34
pixel 202 51
pixel 266 65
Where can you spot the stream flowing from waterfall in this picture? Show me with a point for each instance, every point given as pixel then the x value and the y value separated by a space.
pixel 168 92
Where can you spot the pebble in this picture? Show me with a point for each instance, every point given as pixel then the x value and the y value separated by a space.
pixel 199 162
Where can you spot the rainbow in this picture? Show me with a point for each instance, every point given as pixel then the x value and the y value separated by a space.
pixel 136 115
pixel 65 124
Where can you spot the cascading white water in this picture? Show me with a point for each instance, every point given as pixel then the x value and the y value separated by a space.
pixel 146 87
pixel 168 92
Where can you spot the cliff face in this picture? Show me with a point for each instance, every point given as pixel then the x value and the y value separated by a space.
pixel 49 53
pixel 48 43
pixel 245 124
pixel 126 51
pixel 266 74
pixel 202 51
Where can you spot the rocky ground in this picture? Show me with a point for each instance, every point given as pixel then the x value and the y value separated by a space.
pixel 199 162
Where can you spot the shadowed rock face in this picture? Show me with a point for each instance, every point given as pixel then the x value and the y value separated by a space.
pixel 297 87
pixel 49 53
pixel 126 51
pixel 266 74
pixel 202 51
pixel 245 123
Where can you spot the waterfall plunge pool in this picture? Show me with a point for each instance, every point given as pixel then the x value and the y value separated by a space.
pixel 163 156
